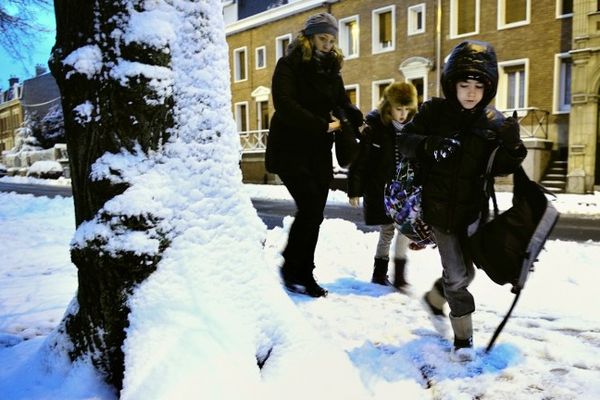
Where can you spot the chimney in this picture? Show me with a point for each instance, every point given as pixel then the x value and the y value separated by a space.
pixel 40 69
pixel 13 80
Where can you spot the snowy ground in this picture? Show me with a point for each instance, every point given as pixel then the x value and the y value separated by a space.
pixel 550 349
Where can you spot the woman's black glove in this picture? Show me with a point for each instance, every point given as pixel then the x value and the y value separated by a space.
pixel 509 133
pixel 440 148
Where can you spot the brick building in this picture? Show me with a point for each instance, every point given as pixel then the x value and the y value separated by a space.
pixel 11 113
pixel 386 41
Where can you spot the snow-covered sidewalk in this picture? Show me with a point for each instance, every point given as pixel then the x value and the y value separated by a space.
pixel 550 349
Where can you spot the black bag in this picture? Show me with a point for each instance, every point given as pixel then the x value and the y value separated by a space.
pixel 347 146
pixel 506 247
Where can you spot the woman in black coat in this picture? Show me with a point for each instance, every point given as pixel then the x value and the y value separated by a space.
pixel 452 139
pixel 374 168
pixel 307 89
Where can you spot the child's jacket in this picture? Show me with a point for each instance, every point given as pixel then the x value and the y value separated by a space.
pixel 453 188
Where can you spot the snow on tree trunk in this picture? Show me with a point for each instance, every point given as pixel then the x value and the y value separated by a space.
pixel 175 298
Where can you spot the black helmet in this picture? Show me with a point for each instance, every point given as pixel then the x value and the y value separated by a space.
pixel 471 59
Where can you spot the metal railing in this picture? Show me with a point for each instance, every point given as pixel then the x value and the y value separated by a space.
pixel 254 141
pixel 532 120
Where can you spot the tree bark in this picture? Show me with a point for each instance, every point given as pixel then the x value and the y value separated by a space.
pixel 121 120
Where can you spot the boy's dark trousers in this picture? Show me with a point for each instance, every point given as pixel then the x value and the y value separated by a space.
pixel 310 195
pixel 458 271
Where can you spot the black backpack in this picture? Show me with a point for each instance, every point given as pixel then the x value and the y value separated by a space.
pixel 506 246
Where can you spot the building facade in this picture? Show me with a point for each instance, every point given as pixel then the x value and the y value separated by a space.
pixel 11 113
pixel 537 42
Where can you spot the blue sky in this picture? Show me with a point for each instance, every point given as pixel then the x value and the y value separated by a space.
pixel 41 52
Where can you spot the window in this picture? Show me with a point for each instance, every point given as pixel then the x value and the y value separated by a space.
pixel 241 116
pixel 240 64
pixel 419 84
pixel 464 17
pixel 512 85
pixel 349 36
pixel 261 57
pixel 512 13
pixel 353 94
pixel 384 29
pixel 281 45
pixel 562 83
pixel 564 8
pixel 416 19
pixel 262 113
pixel 377 90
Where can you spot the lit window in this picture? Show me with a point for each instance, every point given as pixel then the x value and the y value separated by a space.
pixel 384 29
pixel 349 36
pixel 512 13
pixel 352 91
pixel 240 64
pixel 464 17
pixel 241 116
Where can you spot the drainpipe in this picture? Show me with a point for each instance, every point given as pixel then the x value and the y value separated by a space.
pixel 438 48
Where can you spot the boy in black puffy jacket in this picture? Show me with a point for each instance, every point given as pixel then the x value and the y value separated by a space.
pixel 452 140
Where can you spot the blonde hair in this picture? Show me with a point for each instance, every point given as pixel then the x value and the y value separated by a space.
pixel 304 44
pixel 394 95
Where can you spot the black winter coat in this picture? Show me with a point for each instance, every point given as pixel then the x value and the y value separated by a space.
pixel 453 188
pixel 452 194
pixel 374 167
pixel 304 95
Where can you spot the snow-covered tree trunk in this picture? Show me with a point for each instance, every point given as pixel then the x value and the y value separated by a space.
pixel 175 298
pixel 116 90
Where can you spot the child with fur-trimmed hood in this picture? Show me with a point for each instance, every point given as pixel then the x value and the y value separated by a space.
pixel 452 140
pixel 374 168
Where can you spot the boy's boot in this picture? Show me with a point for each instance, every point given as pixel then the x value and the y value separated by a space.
pixel 433 302
pixel 463 338
pixel 380 272
pixel 399 274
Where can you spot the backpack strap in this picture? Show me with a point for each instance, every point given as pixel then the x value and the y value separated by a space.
pixel 504 321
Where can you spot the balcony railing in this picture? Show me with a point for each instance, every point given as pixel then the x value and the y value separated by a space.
pixel 533 121
pixel 254 141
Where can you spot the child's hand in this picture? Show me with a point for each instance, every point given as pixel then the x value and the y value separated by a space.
pixel 354 201
pixel 509 132
pixel 440 148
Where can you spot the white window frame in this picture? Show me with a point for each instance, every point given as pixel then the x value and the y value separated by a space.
pixel 502 16
pixel 501 97
pixel 412 15
pixel 343 36
pixel 279 52
pixel 259 113
pixel 236 64
pixel 375 45
pixel 238 121
pixel 256 58
pixel 559 6
pixel 557 106
pixel 356 87
pixel 454 21
pixel 375 95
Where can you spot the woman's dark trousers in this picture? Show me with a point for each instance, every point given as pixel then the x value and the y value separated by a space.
pixel 310 195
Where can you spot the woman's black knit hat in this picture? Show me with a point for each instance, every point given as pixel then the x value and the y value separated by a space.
pixel 321 23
